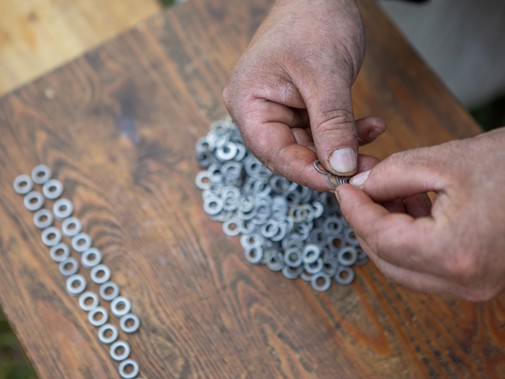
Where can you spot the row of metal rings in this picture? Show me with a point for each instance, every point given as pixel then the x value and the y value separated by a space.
pixel 333 180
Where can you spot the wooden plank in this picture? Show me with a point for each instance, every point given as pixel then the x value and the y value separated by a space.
pixel 118 127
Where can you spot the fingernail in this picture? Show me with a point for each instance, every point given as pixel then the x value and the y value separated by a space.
pixel 359 179
pixel 343 160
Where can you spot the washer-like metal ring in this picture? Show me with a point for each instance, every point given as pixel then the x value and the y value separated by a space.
pixel 91 257
pixel 120 306
pixel 128 369
pixel 52 189
pixel 41 174
pixel 76 284
pixel 322 171
pixel 46 236
pixel 22 184
pixel 315 282
pixel 100 274
pixel 114 351
pixel 43 218
pixel 127 319
pixel 336 181
pixel 69 267
pixel 109 291
pixel 71 226
pixel 92 316
pixel 344 275
pixel 102 334
pixel 347 256
pixel 84 301
pixel 81 242
pixel 63 208
pixel 33 201
pixel 59 252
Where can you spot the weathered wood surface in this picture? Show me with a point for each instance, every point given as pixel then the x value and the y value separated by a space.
pixel 118 127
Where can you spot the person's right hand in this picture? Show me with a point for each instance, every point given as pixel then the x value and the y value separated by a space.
pixel 290 93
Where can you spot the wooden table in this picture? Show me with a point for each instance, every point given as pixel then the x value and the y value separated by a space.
pixel 118 128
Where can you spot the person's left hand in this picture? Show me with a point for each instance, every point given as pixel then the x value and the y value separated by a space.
pixel 456 246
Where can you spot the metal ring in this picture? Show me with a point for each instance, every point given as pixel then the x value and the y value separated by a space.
pixel 109 291
pixel 71 226
pixel 102 334
pixel 76 284
pixel 339 180
pixel 63 208
pixel 52 189
pixel 46 236
pixel 344 275
pixel 69 267
pixel 41 174
pixel 311 253
pixel 81 242
pixel 92 316
pixel 43 218
pixel 347 256
pixel 128 369
pixel 85 305
pixel 114 354
pixel 120 306
pixel 91 257
pixel 132 319
pixel 22 184
pixel 59 252
pixel 254 254
pixel 33 201
pixel 315 282
pixel 322 171
pixel 100 274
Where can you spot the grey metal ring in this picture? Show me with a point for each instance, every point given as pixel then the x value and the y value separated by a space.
pixel 69 267
pixel 100 274
pixel 63 208
pixel 311 253
pixel 76 284
pixel 116 347
pixel 71 226
pixel 293 258
pixel 43 218
pixel 41 174
pixel 120 306
pixel 292 272
pixel 129 323
pixel 84 301
pixel 320 170
pixel 108 329
pixel 52 189
pixel 314 267
pixel 109 291
pixel 51 236
pixel 347 256
pixel 231 227
pixel 95 320
pixel 22 184
pixel 91 257
pixel 128 369
pixel 339 180
pixel 316 278
pixel 33 201
pixel 254 254
pixel 59 252
pixel 81 242
pixel 344 275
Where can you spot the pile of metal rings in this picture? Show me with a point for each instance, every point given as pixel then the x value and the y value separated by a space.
pixel 283 225
pixel 57 225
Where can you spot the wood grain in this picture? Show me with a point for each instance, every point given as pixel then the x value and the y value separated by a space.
pixel 118 127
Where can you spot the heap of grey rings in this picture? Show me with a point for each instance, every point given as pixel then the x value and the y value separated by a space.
pixel 283 225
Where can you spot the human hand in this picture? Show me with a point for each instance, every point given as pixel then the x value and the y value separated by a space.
pixel 290 93
pixel 456 246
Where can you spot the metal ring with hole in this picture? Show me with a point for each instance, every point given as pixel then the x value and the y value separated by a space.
pixel 310 253
pixel 43 218
pixel 128 369
pixel 109 291
pixel 315 282
pixel 69 267
pixel 59 252
pixel 102 334
pixel 347 256
pixel 33 201
pixel 92 316
pixel 81 242
pixel 344 275
pixel 63 208
pixel 83 301
pixel 91 257
pixel 41 174
pixel 129 318
pixel 322 171
pixel 76 284
pixel 71 226
pixel 336 181
pixel 51 236
pixel 120 306
pixel 22 184
pixel 114 354
pixel 52 189
pixel 100 274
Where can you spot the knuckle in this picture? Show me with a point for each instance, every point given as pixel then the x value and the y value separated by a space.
pixel 328 119
pixel 464 267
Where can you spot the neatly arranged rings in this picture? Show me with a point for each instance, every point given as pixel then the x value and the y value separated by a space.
pixel 51 236
pixel 100 274
pixel 41 174
pixel 52 189
pixel 33 201
pixel 43 218
pixel 88 301
pixel 120 306
pixel 69 267
pixel 91 257
pixel 119 350
pixel 128 369
pixel 59 252
pixel 107 334
pixel 98 316
pixel 81 242
pixel 22 184
pixel 76 284
pixel 71 226
pixel 63 208
pixel 129 323
pixel 109 291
